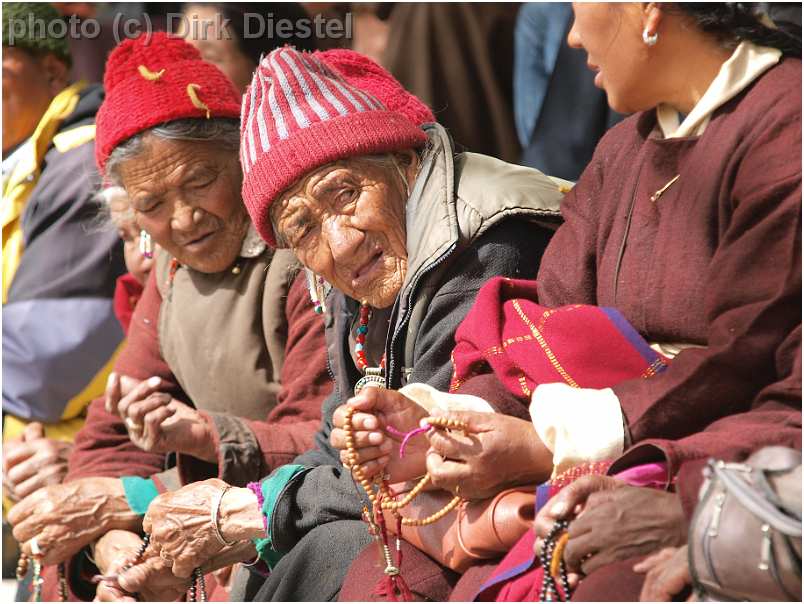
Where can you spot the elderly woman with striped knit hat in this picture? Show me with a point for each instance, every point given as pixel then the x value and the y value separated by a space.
pixel 401 229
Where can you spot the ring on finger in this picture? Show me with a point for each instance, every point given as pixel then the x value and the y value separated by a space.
pixel 131 424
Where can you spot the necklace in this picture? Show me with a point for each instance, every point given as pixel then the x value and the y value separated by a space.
pixel 373 376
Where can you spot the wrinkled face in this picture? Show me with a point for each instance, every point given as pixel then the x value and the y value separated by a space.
pixel 611 35
pixel 186 194
pixel 201 28
pixel 26 95
pixel 346 222
pixel 136 263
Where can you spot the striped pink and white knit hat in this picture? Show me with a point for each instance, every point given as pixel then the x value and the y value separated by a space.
pixel 300 114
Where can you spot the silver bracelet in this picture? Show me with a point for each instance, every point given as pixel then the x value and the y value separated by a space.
pixel 216 504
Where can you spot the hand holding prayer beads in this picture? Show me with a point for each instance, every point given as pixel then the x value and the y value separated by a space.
pixel 378 449
pixel 496 452
pixel 190 526
pixel 383 495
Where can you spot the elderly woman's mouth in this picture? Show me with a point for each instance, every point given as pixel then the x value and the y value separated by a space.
pixel 364 273
pixel 200 241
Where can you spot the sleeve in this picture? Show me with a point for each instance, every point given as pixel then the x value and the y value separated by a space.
pixel 102 446
pixel 568 272
pixel 753 299
pixel 324 492
pixel 59 328
pixel 249 449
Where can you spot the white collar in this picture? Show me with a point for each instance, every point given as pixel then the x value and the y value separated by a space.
pixel 746 64
pixel 253 245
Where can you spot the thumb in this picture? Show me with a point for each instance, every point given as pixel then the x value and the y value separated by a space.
pixel 134 579
pixel 33 431
pixel 577 492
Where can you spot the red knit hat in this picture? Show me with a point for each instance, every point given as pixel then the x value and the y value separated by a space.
pixel 154 79
pixel 300 114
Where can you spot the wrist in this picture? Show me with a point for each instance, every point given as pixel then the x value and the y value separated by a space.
pixel 240 516
pixel 203 440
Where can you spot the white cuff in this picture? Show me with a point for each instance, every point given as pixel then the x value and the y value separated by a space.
pixel 429 398
pixel 577 424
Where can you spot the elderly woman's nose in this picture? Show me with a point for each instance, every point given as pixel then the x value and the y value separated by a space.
pixel 343 239
pixel 185 217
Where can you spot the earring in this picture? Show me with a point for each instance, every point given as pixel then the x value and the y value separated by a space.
pixel 145 245
pixel 649 39
pixel 319 289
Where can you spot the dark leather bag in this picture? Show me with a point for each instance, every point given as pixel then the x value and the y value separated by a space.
pixel 477 530
pixel 745 536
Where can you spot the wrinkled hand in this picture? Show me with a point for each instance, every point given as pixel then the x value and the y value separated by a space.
pixel 498 451
pixel 33 461
pixel 155 574
pixel 668 574
pixel 614 521
pixel 64 518
pixel 378 451
pixel 180 527
pixel 116 549
pixel 155 421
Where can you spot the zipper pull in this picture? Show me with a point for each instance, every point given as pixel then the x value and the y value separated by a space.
pixel 765 554
pixel 715 524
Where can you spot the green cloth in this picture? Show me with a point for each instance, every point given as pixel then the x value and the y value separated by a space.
pixel 27 25
pixel 140 492
pixel 272 487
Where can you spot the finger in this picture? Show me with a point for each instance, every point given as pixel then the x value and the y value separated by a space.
pixel 361 439
pixel 33 431
pixel 24 508
pixel 654 559
pixel 368 454
pixel 446 474
pixel 136 578
pixel 152 423
pixel 18 454
pixel 360 421
pixel 183 568
pixel 452 445
pixel 138 393
pixel 107 591
pixel 139 409
pixel 578 551
pixel 112 395
pixel 576 493
pixel 377 466
pixel 23 471
pixel 50 475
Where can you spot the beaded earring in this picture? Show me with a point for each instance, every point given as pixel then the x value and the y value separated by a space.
pixel 649 39
pixel 319 289
pixel 146 248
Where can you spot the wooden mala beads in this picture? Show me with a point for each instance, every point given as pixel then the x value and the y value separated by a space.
pixel 387 502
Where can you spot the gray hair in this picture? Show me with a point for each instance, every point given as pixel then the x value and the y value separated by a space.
pixel 222 131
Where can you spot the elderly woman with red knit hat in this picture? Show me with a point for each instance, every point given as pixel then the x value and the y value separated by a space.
pixel 405 230
pixel 225 363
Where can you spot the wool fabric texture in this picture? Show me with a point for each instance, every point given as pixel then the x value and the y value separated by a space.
pixel 30 24
pixel 154 79
pixel 300 114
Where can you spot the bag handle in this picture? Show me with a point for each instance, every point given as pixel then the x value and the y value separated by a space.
pixel 754 502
